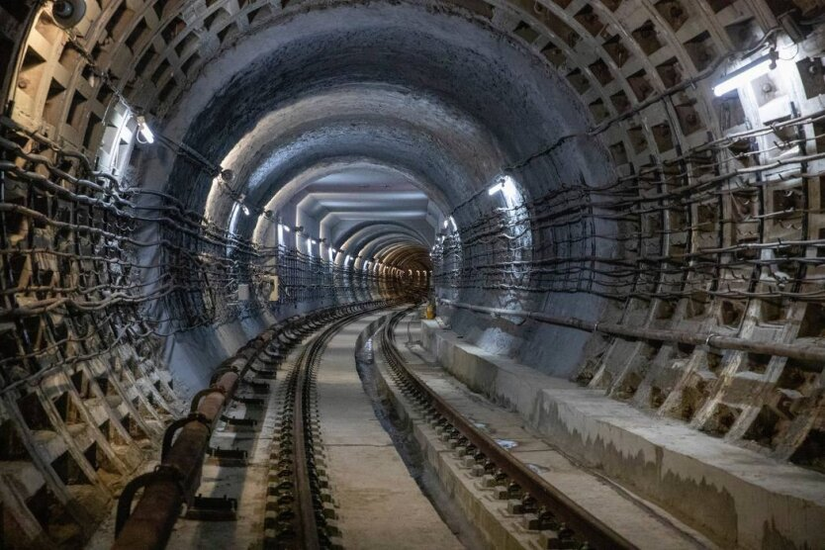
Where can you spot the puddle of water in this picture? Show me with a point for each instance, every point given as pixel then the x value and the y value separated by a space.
pixel 507 443
pixel 536 468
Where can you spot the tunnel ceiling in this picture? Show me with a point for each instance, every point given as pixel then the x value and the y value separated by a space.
pixel 600 113
pixel 564 158
pixel 300 99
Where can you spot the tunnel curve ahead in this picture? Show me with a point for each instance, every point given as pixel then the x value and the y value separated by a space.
pixel 562 180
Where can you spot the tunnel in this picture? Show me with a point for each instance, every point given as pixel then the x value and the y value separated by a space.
pixel 553 267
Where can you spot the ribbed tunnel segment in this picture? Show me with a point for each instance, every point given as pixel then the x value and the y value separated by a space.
pixel 565 180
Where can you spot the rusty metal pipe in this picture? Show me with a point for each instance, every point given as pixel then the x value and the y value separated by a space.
pixel 154 516
pixel 150 523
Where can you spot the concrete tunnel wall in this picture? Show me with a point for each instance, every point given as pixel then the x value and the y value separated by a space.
pixel 306 109
pixel 642 199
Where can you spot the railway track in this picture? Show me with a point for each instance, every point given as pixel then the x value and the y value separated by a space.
pixel 303 515
pixel 300 509
pixel 546 508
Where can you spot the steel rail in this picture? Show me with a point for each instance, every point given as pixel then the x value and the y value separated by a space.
pixel 307 526
pixel 584 524
pixel 308 523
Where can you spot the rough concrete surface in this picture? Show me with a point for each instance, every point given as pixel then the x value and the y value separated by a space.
pixel 644 525
pixel 379 504
pixel 735 495
pixel 350 150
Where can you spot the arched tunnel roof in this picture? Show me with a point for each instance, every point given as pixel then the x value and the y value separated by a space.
pixel 584 186
pixel 450 122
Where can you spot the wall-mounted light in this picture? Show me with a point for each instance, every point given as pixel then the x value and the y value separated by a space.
pixel 286 228
pixel 452 222
pixel 144 131
pixel 314 242
pixel 244 208
pixel 506 186
pixel 741 76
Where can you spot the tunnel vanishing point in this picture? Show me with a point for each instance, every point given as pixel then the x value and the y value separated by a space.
pixel 412 274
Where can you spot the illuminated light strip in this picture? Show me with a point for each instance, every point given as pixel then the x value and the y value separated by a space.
pixel 144 130
pixel 506 186
pixel 745 74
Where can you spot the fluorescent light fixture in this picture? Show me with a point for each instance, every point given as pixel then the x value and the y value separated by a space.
pixel 245 208
pixel 144 130
pixel 745 74
pixel 495 189
pixel 506 185
pixel 452 222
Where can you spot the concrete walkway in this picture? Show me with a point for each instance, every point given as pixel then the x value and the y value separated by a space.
pixel 380 505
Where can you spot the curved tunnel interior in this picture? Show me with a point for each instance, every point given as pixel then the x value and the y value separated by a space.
pixel 562 180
